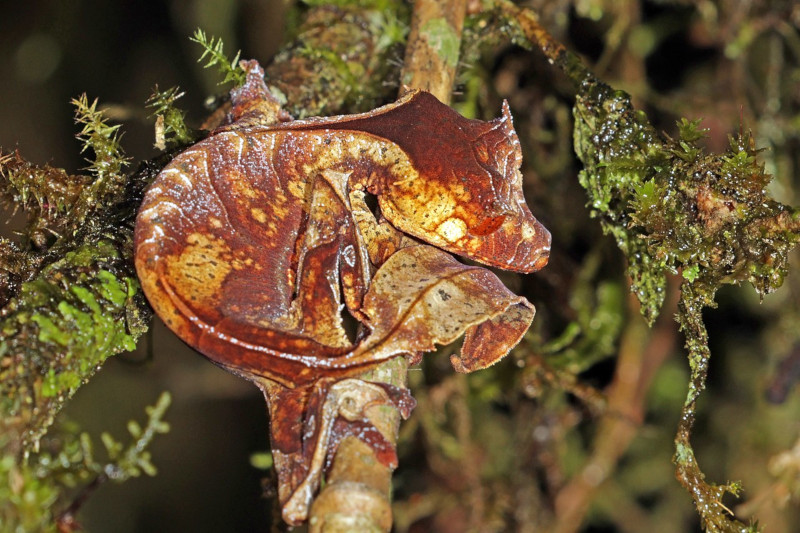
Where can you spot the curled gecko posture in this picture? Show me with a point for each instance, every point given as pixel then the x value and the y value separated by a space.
pixel 259 245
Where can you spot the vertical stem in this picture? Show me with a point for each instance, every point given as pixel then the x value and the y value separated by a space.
pixel 357 493
pixel 715 517
pixel 433 46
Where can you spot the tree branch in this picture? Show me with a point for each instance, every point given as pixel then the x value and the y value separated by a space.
pixel 357 495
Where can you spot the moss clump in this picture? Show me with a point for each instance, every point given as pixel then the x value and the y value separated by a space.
pixel 671 207
pixel 45 193
pixel 70 298
pixel 61 327
pixel 620 152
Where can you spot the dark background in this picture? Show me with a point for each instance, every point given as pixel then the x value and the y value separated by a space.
pixel 52 51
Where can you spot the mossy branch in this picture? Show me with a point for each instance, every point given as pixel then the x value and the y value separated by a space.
pixel 61 326
pixel 672 208
pixel 70 300
pixel 76 300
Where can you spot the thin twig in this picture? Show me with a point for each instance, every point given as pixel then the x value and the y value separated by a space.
pixel 641 353
pixel 66 519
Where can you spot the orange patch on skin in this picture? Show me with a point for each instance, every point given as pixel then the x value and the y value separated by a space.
pixel 259 215
pixel 197 274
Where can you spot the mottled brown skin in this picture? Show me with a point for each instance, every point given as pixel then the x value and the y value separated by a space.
pixel 251 242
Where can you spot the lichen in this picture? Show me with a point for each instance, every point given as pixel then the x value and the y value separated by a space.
pixel 442 38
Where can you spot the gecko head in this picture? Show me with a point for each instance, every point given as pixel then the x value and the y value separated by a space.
pixel 465 195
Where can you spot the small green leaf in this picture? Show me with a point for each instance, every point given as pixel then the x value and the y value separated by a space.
pixel 690 273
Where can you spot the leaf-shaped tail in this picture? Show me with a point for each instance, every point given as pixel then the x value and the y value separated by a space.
pixel 487 343
pixel 422 296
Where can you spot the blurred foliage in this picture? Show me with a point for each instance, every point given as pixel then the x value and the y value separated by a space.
pixel 577 424
pixel 36 495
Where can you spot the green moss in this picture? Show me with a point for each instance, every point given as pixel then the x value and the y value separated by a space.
pixel 341 65
pixel 671 207
pixel 87 328
pixel 99 136
pixel 214 54
pixel 350 73
pixel 690 273
pixel 63 325
pixel 171 128
pixel 47 195
pixel 25 499
pixel 621 155
pixel 442 38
